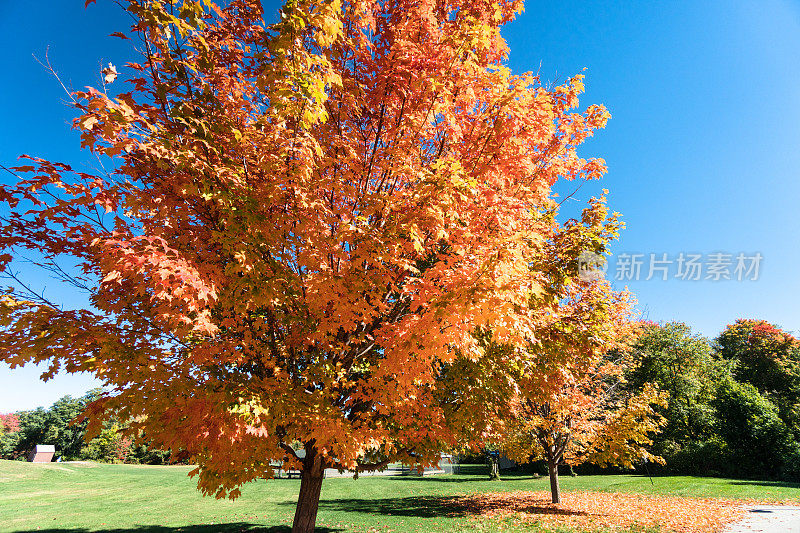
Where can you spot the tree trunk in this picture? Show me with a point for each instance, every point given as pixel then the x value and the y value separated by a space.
pixel 305 515
pixel 555 490
pixel 494 467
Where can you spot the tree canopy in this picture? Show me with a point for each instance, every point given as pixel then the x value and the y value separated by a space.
pixel 300 225
pixel 766 357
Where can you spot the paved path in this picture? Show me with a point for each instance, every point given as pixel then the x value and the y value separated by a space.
pixel 768 519
pixel 332 472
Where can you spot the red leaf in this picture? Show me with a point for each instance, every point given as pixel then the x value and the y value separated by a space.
pixel 116 33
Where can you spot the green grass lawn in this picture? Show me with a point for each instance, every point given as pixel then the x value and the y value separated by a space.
pixel 78 497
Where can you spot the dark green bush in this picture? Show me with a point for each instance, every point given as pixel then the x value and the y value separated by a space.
pixel 756 442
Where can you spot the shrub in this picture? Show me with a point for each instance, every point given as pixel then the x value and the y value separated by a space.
pixel 757 443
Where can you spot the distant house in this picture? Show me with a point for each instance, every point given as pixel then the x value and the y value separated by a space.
pixel 42 453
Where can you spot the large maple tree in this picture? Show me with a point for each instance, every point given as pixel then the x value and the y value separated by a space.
pixel 302 226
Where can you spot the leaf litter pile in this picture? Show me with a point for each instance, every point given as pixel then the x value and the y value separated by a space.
pixel 607 510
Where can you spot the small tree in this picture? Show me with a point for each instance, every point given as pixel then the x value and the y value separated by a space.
pixel 570 406
pixel 587 416
pixel 303 226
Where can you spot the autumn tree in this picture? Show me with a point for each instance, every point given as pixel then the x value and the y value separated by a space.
pixel 766 357
pixel 588 417
pixel 9 423
pixel 9 426
pixel 570 406
pixel 300 229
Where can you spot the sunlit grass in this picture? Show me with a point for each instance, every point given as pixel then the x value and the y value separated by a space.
pixel 81 497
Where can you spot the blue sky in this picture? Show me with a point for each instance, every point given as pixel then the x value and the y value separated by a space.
pixel 703 148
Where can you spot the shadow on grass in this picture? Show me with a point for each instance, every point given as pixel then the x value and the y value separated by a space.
pixel 229 527
pixel 461 478
pixel 438 507
pixel 777 484
pixel 471 474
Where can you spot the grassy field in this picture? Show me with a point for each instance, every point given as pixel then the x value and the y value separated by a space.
pixel 79 497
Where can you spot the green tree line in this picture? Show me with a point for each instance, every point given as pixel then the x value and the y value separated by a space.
pixel 733 408
pixel 61 426
pixel 734 402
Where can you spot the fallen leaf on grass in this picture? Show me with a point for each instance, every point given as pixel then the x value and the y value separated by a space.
pixel 597 510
